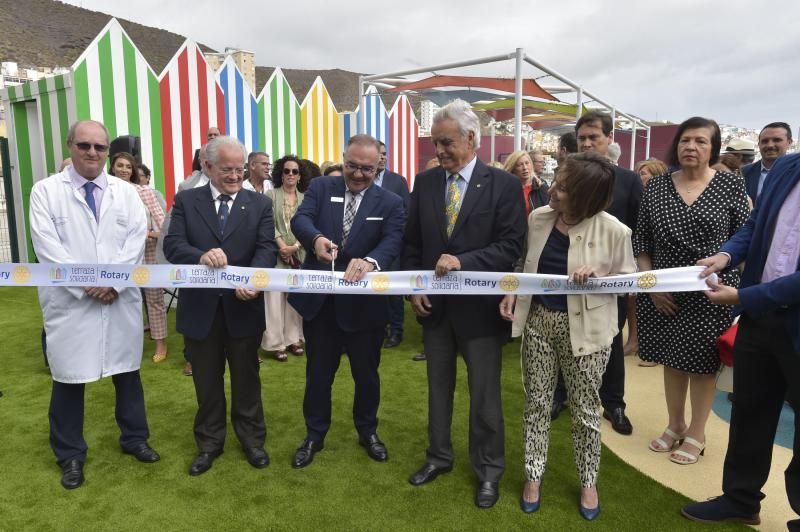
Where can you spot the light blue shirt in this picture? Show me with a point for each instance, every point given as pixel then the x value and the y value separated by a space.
pixel 379 178
pixel 78 181
pixel 762 178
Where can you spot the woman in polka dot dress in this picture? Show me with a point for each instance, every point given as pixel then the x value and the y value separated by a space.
pixel 685 216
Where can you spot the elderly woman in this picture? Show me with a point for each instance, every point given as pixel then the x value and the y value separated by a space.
pixel 686 216
pixel 520 164
pixel 649 169
pixel 284 326
pixel 571 333
pixel 123 166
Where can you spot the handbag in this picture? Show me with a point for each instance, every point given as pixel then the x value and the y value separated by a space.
pixel 725 343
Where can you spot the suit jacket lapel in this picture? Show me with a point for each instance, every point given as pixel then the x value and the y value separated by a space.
pixel 439 191
pixel 336 210
pixel 208 212
pixel 238 212
pixel 368 204
pixel 477 184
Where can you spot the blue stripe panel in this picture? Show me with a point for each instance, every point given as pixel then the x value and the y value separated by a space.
pixel 254 124
pixel 223 77
pixel 239 106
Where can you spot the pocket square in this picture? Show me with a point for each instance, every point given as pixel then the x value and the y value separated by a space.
pixel 375 218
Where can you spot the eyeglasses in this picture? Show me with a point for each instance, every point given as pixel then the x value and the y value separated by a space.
pixel 291 171
pixel 86 146
pixel 365 170
pixel 225 172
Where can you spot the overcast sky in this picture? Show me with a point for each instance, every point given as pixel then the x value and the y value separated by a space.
pixel 734 61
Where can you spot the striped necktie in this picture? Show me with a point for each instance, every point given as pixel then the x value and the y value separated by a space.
pixel 349 216
pixel 453 202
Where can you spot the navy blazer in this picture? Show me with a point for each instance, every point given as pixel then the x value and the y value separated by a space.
pixel 628 192
pixel 377 233
pixel 752 244
pixel 488 237
pixel 752 173
pixel 249 240
pixel 397 184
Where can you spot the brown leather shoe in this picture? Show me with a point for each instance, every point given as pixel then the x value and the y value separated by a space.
pixel 187 369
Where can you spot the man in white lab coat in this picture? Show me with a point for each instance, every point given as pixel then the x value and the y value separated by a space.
pixel 82 215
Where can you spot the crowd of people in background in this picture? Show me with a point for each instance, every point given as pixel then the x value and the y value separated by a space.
pixel 593 219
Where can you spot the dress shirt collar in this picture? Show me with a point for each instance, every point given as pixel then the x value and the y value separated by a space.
pixel 78 180
pixel 379 178
pixel 466 172
pixel 216 193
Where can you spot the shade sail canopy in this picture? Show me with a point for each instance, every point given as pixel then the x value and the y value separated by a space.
pixel 502 110
pixel 499 86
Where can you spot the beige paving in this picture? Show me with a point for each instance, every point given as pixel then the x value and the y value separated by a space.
pixel 644 395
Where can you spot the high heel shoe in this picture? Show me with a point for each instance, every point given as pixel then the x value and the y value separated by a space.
pixel 663 447
pixel 530 507
pixel 590 514
pixel 689 458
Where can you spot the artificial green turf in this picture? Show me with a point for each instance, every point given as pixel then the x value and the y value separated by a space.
pixel 341 490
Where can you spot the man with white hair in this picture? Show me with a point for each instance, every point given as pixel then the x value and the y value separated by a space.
pixel 464 215
pixel 217 225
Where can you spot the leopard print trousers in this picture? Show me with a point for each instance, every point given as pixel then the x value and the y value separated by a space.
pixel 546 347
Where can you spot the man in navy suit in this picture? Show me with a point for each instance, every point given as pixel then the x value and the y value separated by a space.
pixel 766 353
pixel 221 224
pixel 398 184
pixel 466 216
pixel 773 141
pixel 358 226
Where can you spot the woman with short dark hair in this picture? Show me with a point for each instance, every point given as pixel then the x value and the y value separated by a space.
pixel 571 236
pixel 686 216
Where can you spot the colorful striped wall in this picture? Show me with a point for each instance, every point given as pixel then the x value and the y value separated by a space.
pixel 191 102
pixel 112 82
pixel 321 130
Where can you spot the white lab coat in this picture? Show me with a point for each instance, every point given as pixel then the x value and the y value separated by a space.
pixel 87 340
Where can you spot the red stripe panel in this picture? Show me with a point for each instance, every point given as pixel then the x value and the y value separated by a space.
pixel 202 92
pixel 186 123
pixel 166 135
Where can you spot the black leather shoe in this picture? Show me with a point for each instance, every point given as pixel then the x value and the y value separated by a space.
pixel 143 453
pixel 420 357
pixel 487 494
pixel 305 453
pixel 375 447
pixel 428 473
pixel 256 457
pixel 556 409
pixel 619 421
pixel 203 463
pixel 72 475
pixel 393 341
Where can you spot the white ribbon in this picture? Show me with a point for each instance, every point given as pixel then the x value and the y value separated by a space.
pixel 320 281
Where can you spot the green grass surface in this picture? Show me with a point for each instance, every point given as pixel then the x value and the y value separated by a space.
pixel 342 490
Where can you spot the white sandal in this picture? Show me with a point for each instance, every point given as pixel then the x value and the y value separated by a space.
pixel 689 458
pixel 664 447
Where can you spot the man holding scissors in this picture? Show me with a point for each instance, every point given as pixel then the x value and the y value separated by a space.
pixel 351 226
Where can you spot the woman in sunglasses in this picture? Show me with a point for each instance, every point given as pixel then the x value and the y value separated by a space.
pixel 123 166
pixel 284 326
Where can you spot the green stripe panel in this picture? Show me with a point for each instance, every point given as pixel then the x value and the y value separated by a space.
pixel 12 94
pixel 156 134
pixel 299 132
pixel 273 107
pixel 24 164
pixel 81 80
pixel 63 118
pixel 47 127
pixel 107 84
pixel 262 126
pixel 131 90
pixel 287 123
pixel 26 90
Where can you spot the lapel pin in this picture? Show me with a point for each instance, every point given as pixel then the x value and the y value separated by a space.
pixel 478 186
pixel 242 207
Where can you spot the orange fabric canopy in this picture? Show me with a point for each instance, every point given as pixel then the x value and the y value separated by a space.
pixel 529 87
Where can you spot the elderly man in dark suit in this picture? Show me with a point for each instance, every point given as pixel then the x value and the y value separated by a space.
pixel 773 141
pixel 217 225
pixel 398 184
pixel 466 216
pixel 358 226
pixel 766 354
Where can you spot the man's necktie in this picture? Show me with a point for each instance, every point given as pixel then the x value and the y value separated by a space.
pixel 222 213
pixel 89 188
pixel 453 202
pixel 349 216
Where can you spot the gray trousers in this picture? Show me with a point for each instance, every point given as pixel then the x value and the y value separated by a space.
pixel 486 427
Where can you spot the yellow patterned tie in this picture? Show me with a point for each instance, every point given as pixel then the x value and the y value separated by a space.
pixel 453 202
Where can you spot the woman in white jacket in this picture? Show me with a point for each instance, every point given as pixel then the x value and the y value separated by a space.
pixel 570 236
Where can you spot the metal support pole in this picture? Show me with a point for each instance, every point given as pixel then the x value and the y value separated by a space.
pixel 579 103
pixel 633 145
pixel 647 144
pixel 518 100
pixel 613 119
pixel 491 143
pixel 362 107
